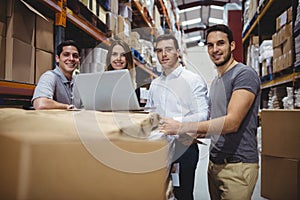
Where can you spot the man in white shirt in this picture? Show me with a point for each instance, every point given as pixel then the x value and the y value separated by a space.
pixel 180 94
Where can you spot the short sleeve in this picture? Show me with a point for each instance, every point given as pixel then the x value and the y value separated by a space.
pixel 45 86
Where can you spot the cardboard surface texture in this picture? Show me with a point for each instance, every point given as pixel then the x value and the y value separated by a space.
pixel 280 133
pixel 43 62
pixel 46 155
pixel 280 178
pixel 45 34
pixel 22 23
pixel 19 61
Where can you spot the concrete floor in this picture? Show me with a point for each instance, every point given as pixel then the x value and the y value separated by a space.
pixel 201 184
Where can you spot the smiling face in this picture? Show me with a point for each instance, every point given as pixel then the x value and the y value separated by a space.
pixel 118 59
pixel 167 55
pixel 68 60
pixel 219 48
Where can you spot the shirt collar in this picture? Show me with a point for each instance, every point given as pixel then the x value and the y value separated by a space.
pixel 175 73
pixel 58 71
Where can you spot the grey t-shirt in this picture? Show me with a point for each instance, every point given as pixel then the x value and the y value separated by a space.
pixel 243 143
pixel 54 85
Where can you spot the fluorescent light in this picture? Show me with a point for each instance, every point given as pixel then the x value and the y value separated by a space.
pixel 217 7
pixel 189 9
pixel 190 22
pixel 215 20
pixel 191 39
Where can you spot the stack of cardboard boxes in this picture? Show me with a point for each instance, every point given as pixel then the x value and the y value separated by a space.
pixel 280 164
pixel 2 38
pixel 26 43
pixel 283 41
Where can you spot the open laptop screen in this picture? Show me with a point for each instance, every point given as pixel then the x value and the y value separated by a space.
pixel 107 91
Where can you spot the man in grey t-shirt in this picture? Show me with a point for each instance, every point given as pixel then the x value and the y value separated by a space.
pixel 234 103
pixel 55 87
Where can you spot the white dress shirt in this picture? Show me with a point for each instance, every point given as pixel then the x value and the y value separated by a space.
pixel 181 95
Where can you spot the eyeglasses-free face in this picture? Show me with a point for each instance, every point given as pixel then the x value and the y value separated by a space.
pixel 118 59
pixel 165 50
pixel 68 59
pixel 167 54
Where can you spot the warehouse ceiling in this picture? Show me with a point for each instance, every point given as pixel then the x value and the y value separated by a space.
pixel 197 15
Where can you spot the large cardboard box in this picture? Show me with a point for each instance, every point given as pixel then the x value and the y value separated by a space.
pixel 3 8
pixel 43 62
pixel 2 57
pixel 2 29
pixel 280 178
pixel 280 133
pixel 45 34
pixel 58 154
pixel 20 22
pixel 19 61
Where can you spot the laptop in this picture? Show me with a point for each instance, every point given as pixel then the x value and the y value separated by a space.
pixel 107 91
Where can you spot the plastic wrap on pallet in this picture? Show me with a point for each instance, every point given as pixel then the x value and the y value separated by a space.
pixel 125 11
pixel 297 98
pixel 288 100
pixel 252 57
pixel 265 50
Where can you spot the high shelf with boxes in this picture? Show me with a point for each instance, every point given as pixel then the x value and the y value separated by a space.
pixel 269 41
pixel 29 32
pixel 270 45
pixel 27 47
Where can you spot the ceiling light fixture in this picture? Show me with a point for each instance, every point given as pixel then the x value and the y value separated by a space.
pixel 190 22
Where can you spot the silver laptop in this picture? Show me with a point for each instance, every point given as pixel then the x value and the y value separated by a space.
pixel 107 91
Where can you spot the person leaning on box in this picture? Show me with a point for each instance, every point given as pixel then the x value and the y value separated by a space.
pixel 234 103
pixel 181 94
pixel 55 87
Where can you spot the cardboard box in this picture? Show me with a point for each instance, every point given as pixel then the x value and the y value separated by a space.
pixel 288 44
pixel 289 58
pixel 280 133
pixel 19 61
pixel 3 8
pixel 45 34
pixel 277 51
pixel 58 154
pixel 290 14
pixel 93 6
pixel 280 178
pixel 275 40
pixel 2 57
pixel 102 14
pixel 2 29
pixel 43 62
pixel 275 65
pixel 21 23
pixel 281 20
